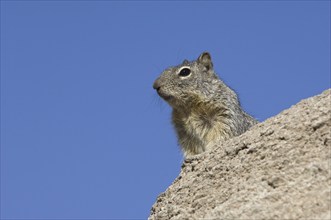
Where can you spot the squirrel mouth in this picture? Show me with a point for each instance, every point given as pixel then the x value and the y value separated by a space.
pixel 166 97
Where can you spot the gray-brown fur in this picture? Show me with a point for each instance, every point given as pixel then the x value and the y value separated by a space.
pixel 205 110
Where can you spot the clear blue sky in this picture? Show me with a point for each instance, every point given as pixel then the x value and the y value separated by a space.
pixel 84 135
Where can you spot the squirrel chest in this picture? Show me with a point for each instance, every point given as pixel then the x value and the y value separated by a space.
pixel 197 128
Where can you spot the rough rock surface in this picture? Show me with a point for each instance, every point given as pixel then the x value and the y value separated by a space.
pixel 279 169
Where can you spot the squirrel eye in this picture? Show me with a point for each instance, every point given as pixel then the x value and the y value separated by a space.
pixel 185 72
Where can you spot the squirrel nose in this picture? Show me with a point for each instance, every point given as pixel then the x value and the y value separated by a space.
pixel 156 85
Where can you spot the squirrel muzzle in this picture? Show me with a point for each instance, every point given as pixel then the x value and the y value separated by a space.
pixel 157 86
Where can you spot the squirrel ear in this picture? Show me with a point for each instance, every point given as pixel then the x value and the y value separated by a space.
pixel 205 59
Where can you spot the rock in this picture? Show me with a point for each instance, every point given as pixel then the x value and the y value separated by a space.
pixel 279 169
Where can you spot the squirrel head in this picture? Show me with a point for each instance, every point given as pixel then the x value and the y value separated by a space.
pixel 189 82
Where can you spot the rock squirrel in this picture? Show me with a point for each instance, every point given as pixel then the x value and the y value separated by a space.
pixel 205 110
